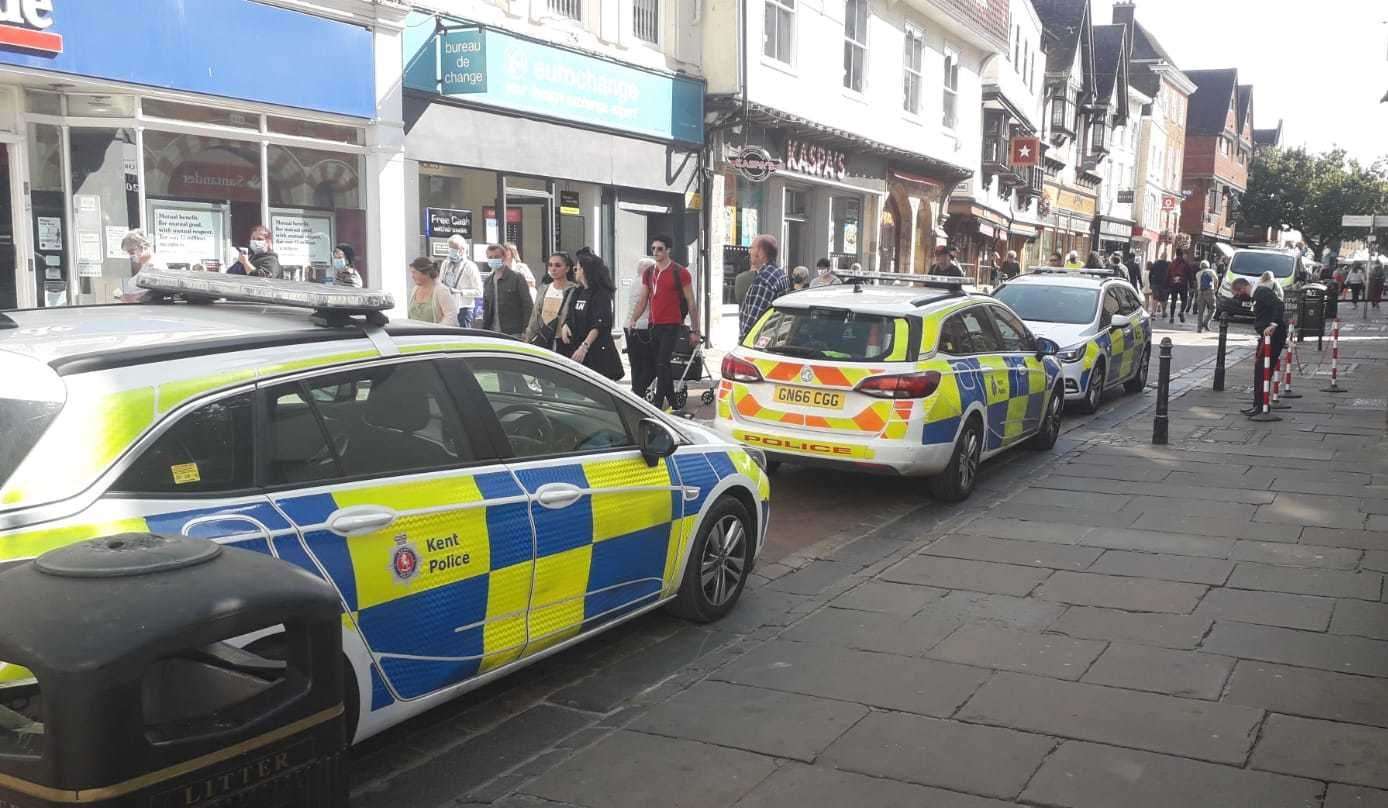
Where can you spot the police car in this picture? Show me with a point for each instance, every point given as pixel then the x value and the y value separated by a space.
pixel 476 502
pixel 1098 320
pixel 921 379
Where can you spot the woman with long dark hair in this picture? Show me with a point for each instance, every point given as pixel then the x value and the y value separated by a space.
pixel 552 306
pixel 588 328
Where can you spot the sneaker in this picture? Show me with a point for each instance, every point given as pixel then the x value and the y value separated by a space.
pixel 1183 318
pixel 1251 411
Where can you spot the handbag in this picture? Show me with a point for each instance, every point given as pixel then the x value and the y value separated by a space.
pixel 549 332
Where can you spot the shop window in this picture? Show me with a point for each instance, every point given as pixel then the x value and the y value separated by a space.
pixel 778 33
pixel 105 204
pixel 48 213
pixel 313 129
pixel 101 106
pixel 573 9
pixel 913 78
pixel 951 90
pixel 174 111
pixel 43 103
pixel 846 213
pixel 202 197
pixel 315 204
pixel 645 20
pixel 854 44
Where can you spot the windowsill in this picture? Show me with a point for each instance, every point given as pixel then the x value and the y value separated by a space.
pixel 912 118
pixel 856 96
pixel 779 66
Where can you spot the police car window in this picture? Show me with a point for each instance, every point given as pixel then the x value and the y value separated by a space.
pixel 384 419
pixel 1127 301
pixel 1011 332
pixel 209 450
pixel 547 411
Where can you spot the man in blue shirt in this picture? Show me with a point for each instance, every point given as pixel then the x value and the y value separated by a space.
pixel 769 283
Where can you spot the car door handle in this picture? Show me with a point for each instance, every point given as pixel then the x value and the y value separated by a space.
pixel 557 495
pixel 360 519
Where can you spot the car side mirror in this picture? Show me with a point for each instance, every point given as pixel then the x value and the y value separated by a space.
pixel 1046 347
pixel 655 440
pixel 1120 321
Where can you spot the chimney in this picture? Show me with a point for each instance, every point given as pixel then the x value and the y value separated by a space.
pixel 1123 13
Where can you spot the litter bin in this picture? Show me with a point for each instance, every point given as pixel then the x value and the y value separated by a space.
pixel 135 698
pixel 1310 312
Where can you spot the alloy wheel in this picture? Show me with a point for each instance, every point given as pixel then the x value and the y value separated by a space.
pixel 968 464
pixel 722 565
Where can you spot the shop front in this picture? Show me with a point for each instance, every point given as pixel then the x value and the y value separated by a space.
pixel 920 191
pixel 1113 235
pixel 978 232
pixel 514 140
pixel 177 137
pixel 1067 221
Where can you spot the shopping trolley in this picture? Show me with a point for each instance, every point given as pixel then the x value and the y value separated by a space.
pixel 686 365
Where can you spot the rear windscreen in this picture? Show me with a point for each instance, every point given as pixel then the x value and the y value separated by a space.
pixel 30 399
pixel 826 333
pixel 1254 264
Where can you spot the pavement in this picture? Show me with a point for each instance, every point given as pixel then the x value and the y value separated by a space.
pixel 1110 624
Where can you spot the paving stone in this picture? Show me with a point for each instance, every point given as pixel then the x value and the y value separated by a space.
pixel 1223 509
pixel 1296 555
pixel 1165 567
pixel 1134 594
pixel 1083 470
pixel 1026 531
pixel 1085 775
pixel 1165 630
pixel 1328 583
pixel 1267 608
pixel 1161 670
pixel 1008 551
pixel 1065 516
pixel 1376 560
pixel 634 770
pixel 1361 618
pixel 940 753
pixel 1102 502
pixel 1219 527
pixel 1310 693
pixel 815 577
pixel 869 631
pixel 1335 537
pixel 976 607
pixel 1155 541
pixel 771 722
pixel 1227 476
pixel 882 596
pixel 762 606
pixel 618 682
pixel 1310 517
pixel 1200 729
pixel 1333 652
pixel 1325 750
pixel 795 786
pixel 881 680
pixel 977 576
pixel 989 646
pixel 1343 796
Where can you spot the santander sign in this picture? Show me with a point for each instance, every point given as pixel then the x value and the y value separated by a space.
pixel 25 23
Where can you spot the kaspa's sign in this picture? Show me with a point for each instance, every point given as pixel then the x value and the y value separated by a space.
pixel 25 23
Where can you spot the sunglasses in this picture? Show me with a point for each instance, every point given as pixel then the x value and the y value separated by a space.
pixel 655 248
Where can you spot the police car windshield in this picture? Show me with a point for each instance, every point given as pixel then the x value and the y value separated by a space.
pixel 1040 303
pixel 32 397
pixel 822 333
pixel 1256 262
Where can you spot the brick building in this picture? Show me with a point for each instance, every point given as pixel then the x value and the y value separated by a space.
pixel 1219 146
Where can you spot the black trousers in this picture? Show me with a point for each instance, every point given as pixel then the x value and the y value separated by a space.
pixel 1275 346
pixel 664 339
pixel 641 353
pixel 1178 292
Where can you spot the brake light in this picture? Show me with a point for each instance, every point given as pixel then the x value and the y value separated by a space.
pixel 902 385
pixel 740 370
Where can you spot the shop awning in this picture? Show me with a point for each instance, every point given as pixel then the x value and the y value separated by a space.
pixel 1224 249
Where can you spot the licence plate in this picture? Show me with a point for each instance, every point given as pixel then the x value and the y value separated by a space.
pixel 805 397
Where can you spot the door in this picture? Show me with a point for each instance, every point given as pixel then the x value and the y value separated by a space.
pixel 9 268
pixel 1121 359
pixel 424 534
pixel 1026 374
pixel 995 376
pixel 632 244
pixel 607 526
pixel 1138 342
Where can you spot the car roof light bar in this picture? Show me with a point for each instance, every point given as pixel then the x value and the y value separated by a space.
pixel 1090 271
pixel 327 300
pixel 951 283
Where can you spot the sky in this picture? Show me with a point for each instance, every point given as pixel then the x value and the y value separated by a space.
pixel 1321 66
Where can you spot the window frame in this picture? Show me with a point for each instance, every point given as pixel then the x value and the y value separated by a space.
pixel 912 36
pixel 984 320
pixel 1001 313
pixel 949 95
pixel 636 28
pixel 858 47
pixel 789 9
pixel 127 461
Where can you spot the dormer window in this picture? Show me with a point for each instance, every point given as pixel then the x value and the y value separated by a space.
pixel 1062 111
pixel 1098 131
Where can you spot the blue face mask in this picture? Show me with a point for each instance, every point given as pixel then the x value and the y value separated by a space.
pixel 455 255
pixel 495 263
pixel 339 263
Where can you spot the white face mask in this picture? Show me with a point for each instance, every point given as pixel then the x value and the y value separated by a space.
pixel 339 263
pixel 454 254
pixel 825 270
pixel 258 246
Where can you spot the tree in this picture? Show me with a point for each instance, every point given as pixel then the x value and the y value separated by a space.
pixel 1311 192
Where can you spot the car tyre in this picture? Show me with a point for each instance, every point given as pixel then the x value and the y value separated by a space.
pixel 1049 433
pixel 1094 395
pixel 719 563
pixel 956 482
pixel 1139 380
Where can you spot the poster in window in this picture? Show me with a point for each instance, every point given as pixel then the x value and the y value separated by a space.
pixel 186 236
pixel 302 239
pixel 50 233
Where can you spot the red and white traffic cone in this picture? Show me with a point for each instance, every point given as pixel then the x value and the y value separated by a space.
pixel 1335 361
pixel 1265 400
pixel 1278 370
pixel 1288 360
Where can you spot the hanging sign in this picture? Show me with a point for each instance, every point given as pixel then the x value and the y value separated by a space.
pixel 1125 197
pixel 1025 152
pixel 1168 203
pixel 816 161
pixel 755 163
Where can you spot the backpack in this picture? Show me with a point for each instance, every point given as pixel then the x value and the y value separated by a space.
pixel 649 281
pixel 1206 280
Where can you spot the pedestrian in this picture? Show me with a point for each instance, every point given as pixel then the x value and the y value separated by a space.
pixel 945 263
pixel 588 327
pixel 523 269
pixel 550 309
pixel 1072 260
pixel 140 250
pixel 1178 279
pixel 1115 265
pixel 430 301
pixel 1269 320
pixel 1205 281
pixel 954 261
pixel 1055 261
pixel 1134 271
pixel 769 283
pixel 344 267
pixel 1094 261
pixel 258 257
pixel 799 278
pixel 1354 279
pixel 506 300
pixel 667 293
pixel 641 347
pixel 1156 279
pixel 995 268
pixel 824 274
pixel 742 283
pixel 463 279
pixel 1377 273
pixel 1011 267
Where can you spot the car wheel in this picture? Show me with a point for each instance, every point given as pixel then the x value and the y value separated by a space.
pixel 1050 422
pixel 1094 396
pixel 719 563
pixel 957 480
pixel 1139 380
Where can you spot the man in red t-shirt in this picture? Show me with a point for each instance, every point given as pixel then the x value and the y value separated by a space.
pixel 668 291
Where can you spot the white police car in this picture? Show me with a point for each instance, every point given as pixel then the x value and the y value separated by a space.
pixel 1098 320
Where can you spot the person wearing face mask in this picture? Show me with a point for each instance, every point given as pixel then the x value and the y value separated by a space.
pixel 140 250
pixel 824 274
pixel 506 300
pixel 344 273
pixel 259 259
pixel 461 275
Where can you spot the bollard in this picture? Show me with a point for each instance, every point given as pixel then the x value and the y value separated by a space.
pixel 1335 361
pixel 1219 357
pixel 1288 360
pixel 1265 413
pixel 1277 371
pixel 1159 423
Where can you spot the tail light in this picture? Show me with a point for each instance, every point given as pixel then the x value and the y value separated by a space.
pixel 901 385
pixel 740 370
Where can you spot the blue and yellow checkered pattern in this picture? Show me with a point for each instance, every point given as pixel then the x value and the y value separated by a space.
pixel 1011 389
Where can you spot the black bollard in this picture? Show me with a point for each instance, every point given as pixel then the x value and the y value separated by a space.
pixel 1219 357
pixel 1159 423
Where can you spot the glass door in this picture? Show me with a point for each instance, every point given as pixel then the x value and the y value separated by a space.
pixel 530 220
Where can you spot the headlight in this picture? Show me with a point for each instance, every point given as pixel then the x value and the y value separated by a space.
pixel 757 455
pixel 1072 354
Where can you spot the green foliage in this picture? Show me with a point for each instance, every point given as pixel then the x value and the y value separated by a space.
pixel 1310 192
